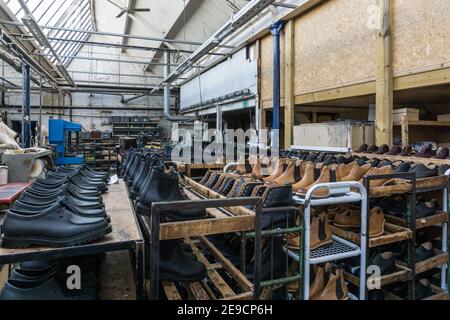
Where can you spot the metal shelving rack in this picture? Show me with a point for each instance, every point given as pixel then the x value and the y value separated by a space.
pixel 340 193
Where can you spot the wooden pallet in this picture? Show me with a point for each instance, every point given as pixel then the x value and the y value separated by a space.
pixel 439 294
pixel 210 194
pixel 439 259
pixel 402 274
pixel 402 186
pixel 188 168
pixel 392 234
pixel 220 221
pixel 215 287
pixel 437 219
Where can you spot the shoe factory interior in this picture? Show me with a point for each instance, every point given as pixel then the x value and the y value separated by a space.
pixel 230 150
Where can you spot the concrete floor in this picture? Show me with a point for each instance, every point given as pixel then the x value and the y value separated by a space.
pixel 117 281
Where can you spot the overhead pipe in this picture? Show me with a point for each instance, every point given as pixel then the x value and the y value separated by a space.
pixel 246 14
pixel 167 114
pixel 247 35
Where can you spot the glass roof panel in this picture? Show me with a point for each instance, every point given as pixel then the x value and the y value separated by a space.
pixel 67 14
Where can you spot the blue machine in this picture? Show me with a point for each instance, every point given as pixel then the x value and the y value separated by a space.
pixel 60 134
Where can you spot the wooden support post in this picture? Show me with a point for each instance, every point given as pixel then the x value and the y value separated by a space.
pixel 289 110
pixel 385 78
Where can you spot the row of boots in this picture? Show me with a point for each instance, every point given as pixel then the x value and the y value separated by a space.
pixel 65 209
pixel 149 181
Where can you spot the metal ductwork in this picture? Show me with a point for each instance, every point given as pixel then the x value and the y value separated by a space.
pixel 247 13
pixel 167 114
pixel 240 19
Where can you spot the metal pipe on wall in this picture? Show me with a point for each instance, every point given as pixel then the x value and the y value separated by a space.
pixel 276 29
pixel 167 114
pixel 26 123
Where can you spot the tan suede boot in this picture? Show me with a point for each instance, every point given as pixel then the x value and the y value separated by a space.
pixel 335 289
pixel 322 277
pixel 279 170
pixel 321 233
pixel 308 178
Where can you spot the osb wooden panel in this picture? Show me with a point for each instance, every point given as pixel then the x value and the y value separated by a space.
pixel 267 68
pixel 421 37
pixel 334 46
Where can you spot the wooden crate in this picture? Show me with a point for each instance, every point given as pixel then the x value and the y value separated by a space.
pixel 402 274
pixel 392 234
pixel 437 219
pixel 216 286
pixel 410 114
pixel 438 295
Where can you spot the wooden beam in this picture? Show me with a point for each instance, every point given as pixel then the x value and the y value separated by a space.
pixel 423 79
pixel 385 78
pixel 405 82
pixel 357 90
pixel 289 105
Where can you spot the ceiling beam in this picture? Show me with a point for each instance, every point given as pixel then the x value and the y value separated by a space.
pixel 128 21
pixel 94 19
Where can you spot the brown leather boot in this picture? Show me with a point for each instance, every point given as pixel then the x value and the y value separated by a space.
pixel 377 222
pixel 352 219
pixel 257 170
pixel 322 277
pixel 291 175
pixel 344 170
pixel 357 173
pixel 321 233
pixel 336 288
pixel 379 171
pixel 325 177
pixel 279 170
pixel 308 178
pixel 348 219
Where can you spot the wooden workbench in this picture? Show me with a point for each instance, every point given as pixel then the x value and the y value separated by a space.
pixel 126 236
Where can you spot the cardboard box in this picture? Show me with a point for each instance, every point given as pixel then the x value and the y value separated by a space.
pixel 411 114
pixel 444 118
pixel 334 134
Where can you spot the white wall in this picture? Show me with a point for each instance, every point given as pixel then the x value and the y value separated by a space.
pixel 235 74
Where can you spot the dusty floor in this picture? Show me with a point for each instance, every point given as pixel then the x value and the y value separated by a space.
pixel 117 281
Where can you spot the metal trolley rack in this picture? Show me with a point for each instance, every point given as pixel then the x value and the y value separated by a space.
pixel 340 193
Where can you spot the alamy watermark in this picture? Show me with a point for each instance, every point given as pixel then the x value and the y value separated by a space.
pixel 202 145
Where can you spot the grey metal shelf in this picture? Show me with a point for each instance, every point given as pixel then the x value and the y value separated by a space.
pixel 339 249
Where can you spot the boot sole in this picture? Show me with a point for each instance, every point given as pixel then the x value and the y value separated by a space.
pixel 26 242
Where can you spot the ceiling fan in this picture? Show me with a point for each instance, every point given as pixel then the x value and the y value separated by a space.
pixel 126 10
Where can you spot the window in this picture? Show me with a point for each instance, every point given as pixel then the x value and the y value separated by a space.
pixel 71 17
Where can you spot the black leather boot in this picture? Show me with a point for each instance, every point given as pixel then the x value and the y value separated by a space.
pixel 140 179
pixel 176 265
pixel 55 227
pixel 140 173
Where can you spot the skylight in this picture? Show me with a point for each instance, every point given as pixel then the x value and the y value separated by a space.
pixel 68 15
